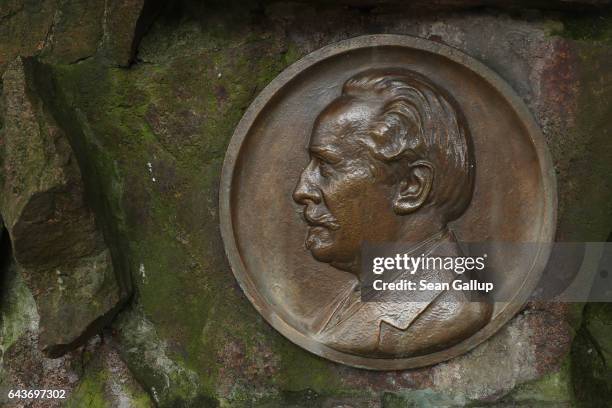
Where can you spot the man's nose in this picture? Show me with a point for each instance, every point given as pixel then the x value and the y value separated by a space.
pixel 306 189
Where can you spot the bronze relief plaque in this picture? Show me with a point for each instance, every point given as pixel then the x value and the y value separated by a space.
pixel 384 139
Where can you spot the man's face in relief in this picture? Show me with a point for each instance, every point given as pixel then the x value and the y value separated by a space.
pixel 346 193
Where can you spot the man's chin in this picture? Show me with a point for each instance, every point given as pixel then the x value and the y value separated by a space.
pixel 321 254
pixel 324 252
pixel 320 244
pixel 319 247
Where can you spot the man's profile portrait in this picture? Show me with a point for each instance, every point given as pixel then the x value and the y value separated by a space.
pixel 390 161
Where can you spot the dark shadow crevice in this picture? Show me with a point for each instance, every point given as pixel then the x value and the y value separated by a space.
pixel 151 10
pixel 5 261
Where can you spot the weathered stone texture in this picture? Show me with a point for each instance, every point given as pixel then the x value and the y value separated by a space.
pixel 22 365
pixel 58 249
pixel 591 366
pixel 68 31
pixel 106 381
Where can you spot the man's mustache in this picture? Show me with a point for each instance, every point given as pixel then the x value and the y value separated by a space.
pixel 315 218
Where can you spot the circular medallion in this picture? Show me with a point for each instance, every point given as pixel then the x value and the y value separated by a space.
pixel 384 139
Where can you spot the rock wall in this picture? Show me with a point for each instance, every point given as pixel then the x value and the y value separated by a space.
pixel 57 248
pixel 145 96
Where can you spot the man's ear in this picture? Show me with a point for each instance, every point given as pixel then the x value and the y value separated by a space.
pixel 412 192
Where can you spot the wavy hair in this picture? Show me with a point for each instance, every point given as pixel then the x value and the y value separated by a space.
pixel 418 120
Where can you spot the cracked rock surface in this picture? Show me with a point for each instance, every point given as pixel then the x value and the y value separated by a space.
pixel 58 250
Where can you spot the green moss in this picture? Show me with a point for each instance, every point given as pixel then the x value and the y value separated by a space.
pixel 89 393
pixel 598 321
pixel 303 371
pixel 418 399
pixel 17 307
pixel 167 380
pixel 590 369
pixel 553 27
pixel 292 54
pixel 103 181
pixel 586 27
pixel 553 388
pixel 584 154
pixel 103 387
pixel 586 190
pixel 141 401
pixel 150 142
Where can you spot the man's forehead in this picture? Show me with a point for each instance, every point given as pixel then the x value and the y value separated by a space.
pixel 339 120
